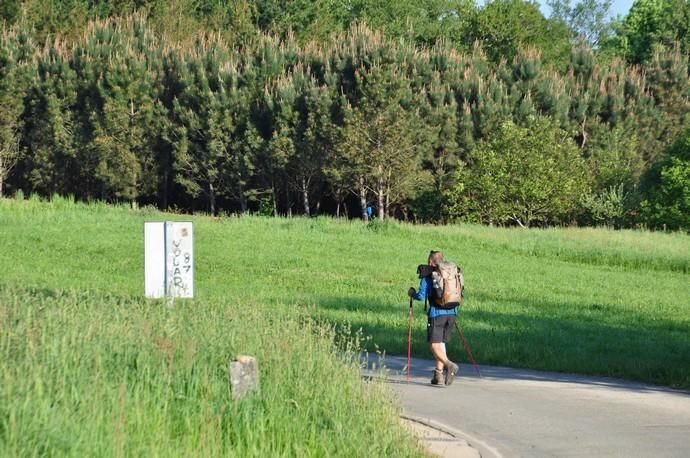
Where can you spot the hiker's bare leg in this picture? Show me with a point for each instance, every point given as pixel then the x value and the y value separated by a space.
pixel 438 349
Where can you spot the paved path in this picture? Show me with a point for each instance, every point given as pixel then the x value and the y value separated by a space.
pixel 512 412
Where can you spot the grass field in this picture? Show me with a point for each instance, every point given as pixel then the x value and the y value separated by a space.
pixel 90 368
pixel 590 301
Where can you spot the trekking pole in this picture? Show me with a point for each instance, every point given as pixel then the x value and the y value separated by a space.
pixel 409 342
pixel 467 347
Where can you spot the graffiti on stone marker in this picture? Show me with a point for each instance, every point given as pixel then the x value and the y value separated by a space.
pixel 180 268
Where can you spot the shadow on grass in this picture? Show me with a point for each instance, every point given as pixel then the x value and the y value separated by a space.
pixel 594 339
pixel 598 339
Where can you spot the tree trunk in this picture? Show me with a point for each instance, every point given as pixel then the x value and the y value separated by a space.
pixel 275 199
pixel 305 197
pixel 340 203
pixel 4 170
pixel 363 199
pixel 388 197
pixel 381 196
pixel 243 201
pixel 288 199
pixel 212 199
pixel 388 206
pixel 164 197
pixel 518 220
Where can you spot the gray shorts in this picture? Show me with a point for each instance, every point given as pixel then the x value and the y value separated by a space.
pixel 440 328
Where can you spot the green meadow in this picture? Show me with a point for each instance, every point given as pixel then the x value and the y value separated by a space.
pixel 90 367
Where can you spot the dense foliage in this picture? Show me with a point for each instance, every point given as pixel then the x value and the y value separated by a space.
pixel 666 187
pixel 300 108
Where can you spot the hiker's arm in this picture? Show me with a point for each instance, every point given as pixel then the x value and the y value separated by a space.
pixel 423 290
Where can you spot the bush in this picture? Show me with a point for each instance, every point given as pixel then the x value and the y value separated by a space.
pixel 665 188
pixel 521 175
pixel 605 208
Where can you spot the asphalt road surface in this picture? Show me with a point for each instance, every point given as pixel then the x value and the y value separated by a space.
pixel 514 412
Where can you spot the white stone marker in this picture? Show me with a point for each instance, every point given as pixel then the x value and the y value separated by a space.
pixel 169 259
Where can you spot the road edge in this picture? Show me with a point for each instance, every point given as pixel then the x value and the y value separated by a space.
pixel 445 441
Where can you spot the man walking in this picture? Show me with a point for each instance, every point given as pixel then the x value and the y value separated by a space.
pixel 444 294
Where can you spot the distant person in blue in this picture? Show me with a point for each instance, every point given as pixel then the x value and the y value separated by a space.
pixel 369 211
pixel 440 321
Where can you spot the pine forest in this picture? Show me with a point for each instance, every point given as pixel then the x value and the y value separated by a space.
pixel 433 111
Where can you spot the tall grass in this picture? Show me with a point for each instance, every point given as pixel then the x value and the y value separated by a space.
pixel 89 374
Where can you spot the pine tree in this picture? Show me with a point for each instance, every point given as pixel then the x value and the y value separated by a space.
pixel 123 108
pixel 17 61
pixel 441 152
pixel 202 124
pixel 668 82
pixel 50 136
pixel 378 119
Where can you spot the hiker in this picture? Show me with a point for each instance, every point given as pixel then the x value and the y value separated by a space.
pixel 444 298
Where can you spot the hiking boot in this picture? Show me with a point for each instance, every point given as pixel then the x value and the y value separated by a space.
pixel 451 370
pixel 437 377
